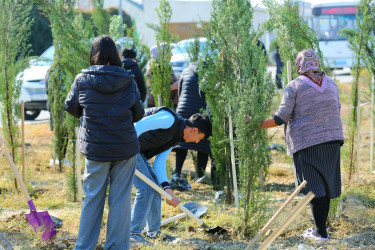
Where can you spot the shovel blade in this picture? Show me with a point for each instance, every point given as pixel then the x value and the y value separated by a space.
pixel 216 230
pixel 196 208
pixel 41 222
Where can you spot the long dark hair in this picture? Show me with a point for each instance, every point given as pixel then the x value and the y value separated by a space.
pixel 104 52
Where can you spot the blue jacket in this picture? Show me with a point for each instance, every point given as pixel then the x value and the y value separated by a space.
pixel 108 102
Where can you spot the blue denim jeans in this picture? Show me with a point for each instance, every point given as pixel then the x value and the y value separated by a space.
pixel 147 204
pixel 119 175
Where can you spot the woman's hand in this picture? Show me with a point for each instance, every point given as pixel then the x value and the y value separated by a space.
pixel 268 123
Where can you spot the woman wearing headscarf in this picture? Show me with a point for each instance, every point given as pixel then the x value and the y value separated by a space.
pixel 310 109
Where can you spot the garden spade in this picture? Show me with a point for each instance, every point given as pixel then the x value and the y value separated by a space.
pixel 208 229
pixel 40 221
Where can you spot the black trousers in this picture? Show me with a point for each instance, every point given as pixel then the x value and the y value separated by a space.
pixel 202 159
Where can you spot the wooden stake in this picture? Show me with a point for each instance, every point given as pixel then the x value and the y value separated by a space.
pixel 289 73
pixel 160 100
pixel 23 139
pixel 293 214
pixel 14 170
pixel 270 221
pixel 234 173
pixel 261 180
pixel 372 126
pixel 358 135
pixel 78 168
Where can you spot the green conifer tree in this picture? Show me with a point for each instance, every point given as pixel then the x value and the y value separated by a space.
pixel 100 17
pixel 135 42
pixel 362 44
pixel 116 29
pixel 72 37
pixel 160 67
pixel 237 85
pixel 193 49
pixel 292 33
pixel 15 24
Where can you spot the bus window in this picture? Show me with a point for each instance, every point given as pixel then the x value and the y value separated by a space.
pixel 327 27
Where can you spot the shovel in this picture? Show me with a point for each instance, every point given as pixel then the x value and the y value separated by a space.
pixel 40 221
pixel 196 208
pixel 208 229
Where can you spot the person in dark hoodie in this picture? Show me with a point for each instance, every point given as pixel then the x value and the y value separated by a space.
pixel 189 103
pixel 131 64
pixel 160 130
pixel 107 100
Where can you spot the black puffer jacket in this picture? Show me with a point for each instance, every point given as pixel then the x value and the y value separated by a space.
pixel 108 102
pixel 190 102
pixel 132 65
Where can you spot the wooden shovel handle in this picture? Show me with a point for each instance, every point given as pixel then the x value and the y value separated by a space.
pixel 293 214
pixel 169 220
pixel 14 169
pixel 169 197
pixel 264 229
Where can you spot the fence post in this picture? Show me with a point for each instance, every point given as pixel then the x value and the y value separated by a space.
pixel 289 71
pixel 235 189
pixel 23 139
pixel 372 125
pixel 78 168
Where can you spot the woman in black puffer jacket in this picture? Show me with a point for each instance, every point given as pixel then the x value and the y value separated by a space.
pixel 107 100
pixel 189 103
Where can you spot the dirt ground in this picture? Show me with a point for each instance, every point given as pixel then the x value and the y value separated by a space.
pixel 351 227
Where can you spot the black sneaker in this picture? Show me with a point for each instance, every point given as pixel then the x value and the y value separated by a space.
pixel 158 234
pixel 138 239
pixel 176 175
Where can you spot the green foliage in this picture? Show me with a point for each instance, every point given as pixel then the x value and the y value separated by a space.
pixel 15 24
pixel 260 215
pixel 362 44
pixel 133 41
pixel 292 33
pixel 127 20
pixel 160 67
pixel 101 19
pixel 71 181
pixel 92 14
pixel 115 27
pixel 237 85
pixel 333 209
pixel 193 49
pixel 56 98
pixel 72 35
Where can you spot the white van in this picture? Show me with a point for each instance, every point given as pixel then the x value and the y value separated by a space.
pixel 33 90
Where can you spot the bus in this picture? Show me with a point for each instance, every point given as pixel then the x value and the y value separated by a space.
pixel 327 20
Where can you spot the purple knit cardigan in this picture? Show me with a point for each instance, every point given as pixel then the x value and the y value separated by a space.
pixel 312 117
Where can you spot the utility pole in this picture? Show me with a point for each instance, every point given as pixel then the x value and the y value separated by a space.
pixel 120 12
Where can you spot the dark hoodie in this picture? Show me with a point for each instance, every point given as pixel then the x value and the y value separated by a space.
pixel 108 102
pixel 132 65
pixel 190 102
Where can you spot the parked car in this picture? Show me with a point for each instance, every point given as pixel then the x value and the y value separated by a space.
pixel 33 90
pixel 180 58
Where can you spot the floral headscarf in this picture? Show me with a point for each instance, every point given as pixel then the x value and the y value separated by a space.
pixel 307 64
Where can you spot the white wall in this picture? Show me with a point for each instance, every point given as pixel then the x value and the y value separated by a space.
pixel 184 11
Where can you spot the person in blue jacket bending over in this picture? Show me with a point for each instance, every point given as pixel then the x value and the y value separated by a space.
pixel 160 129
